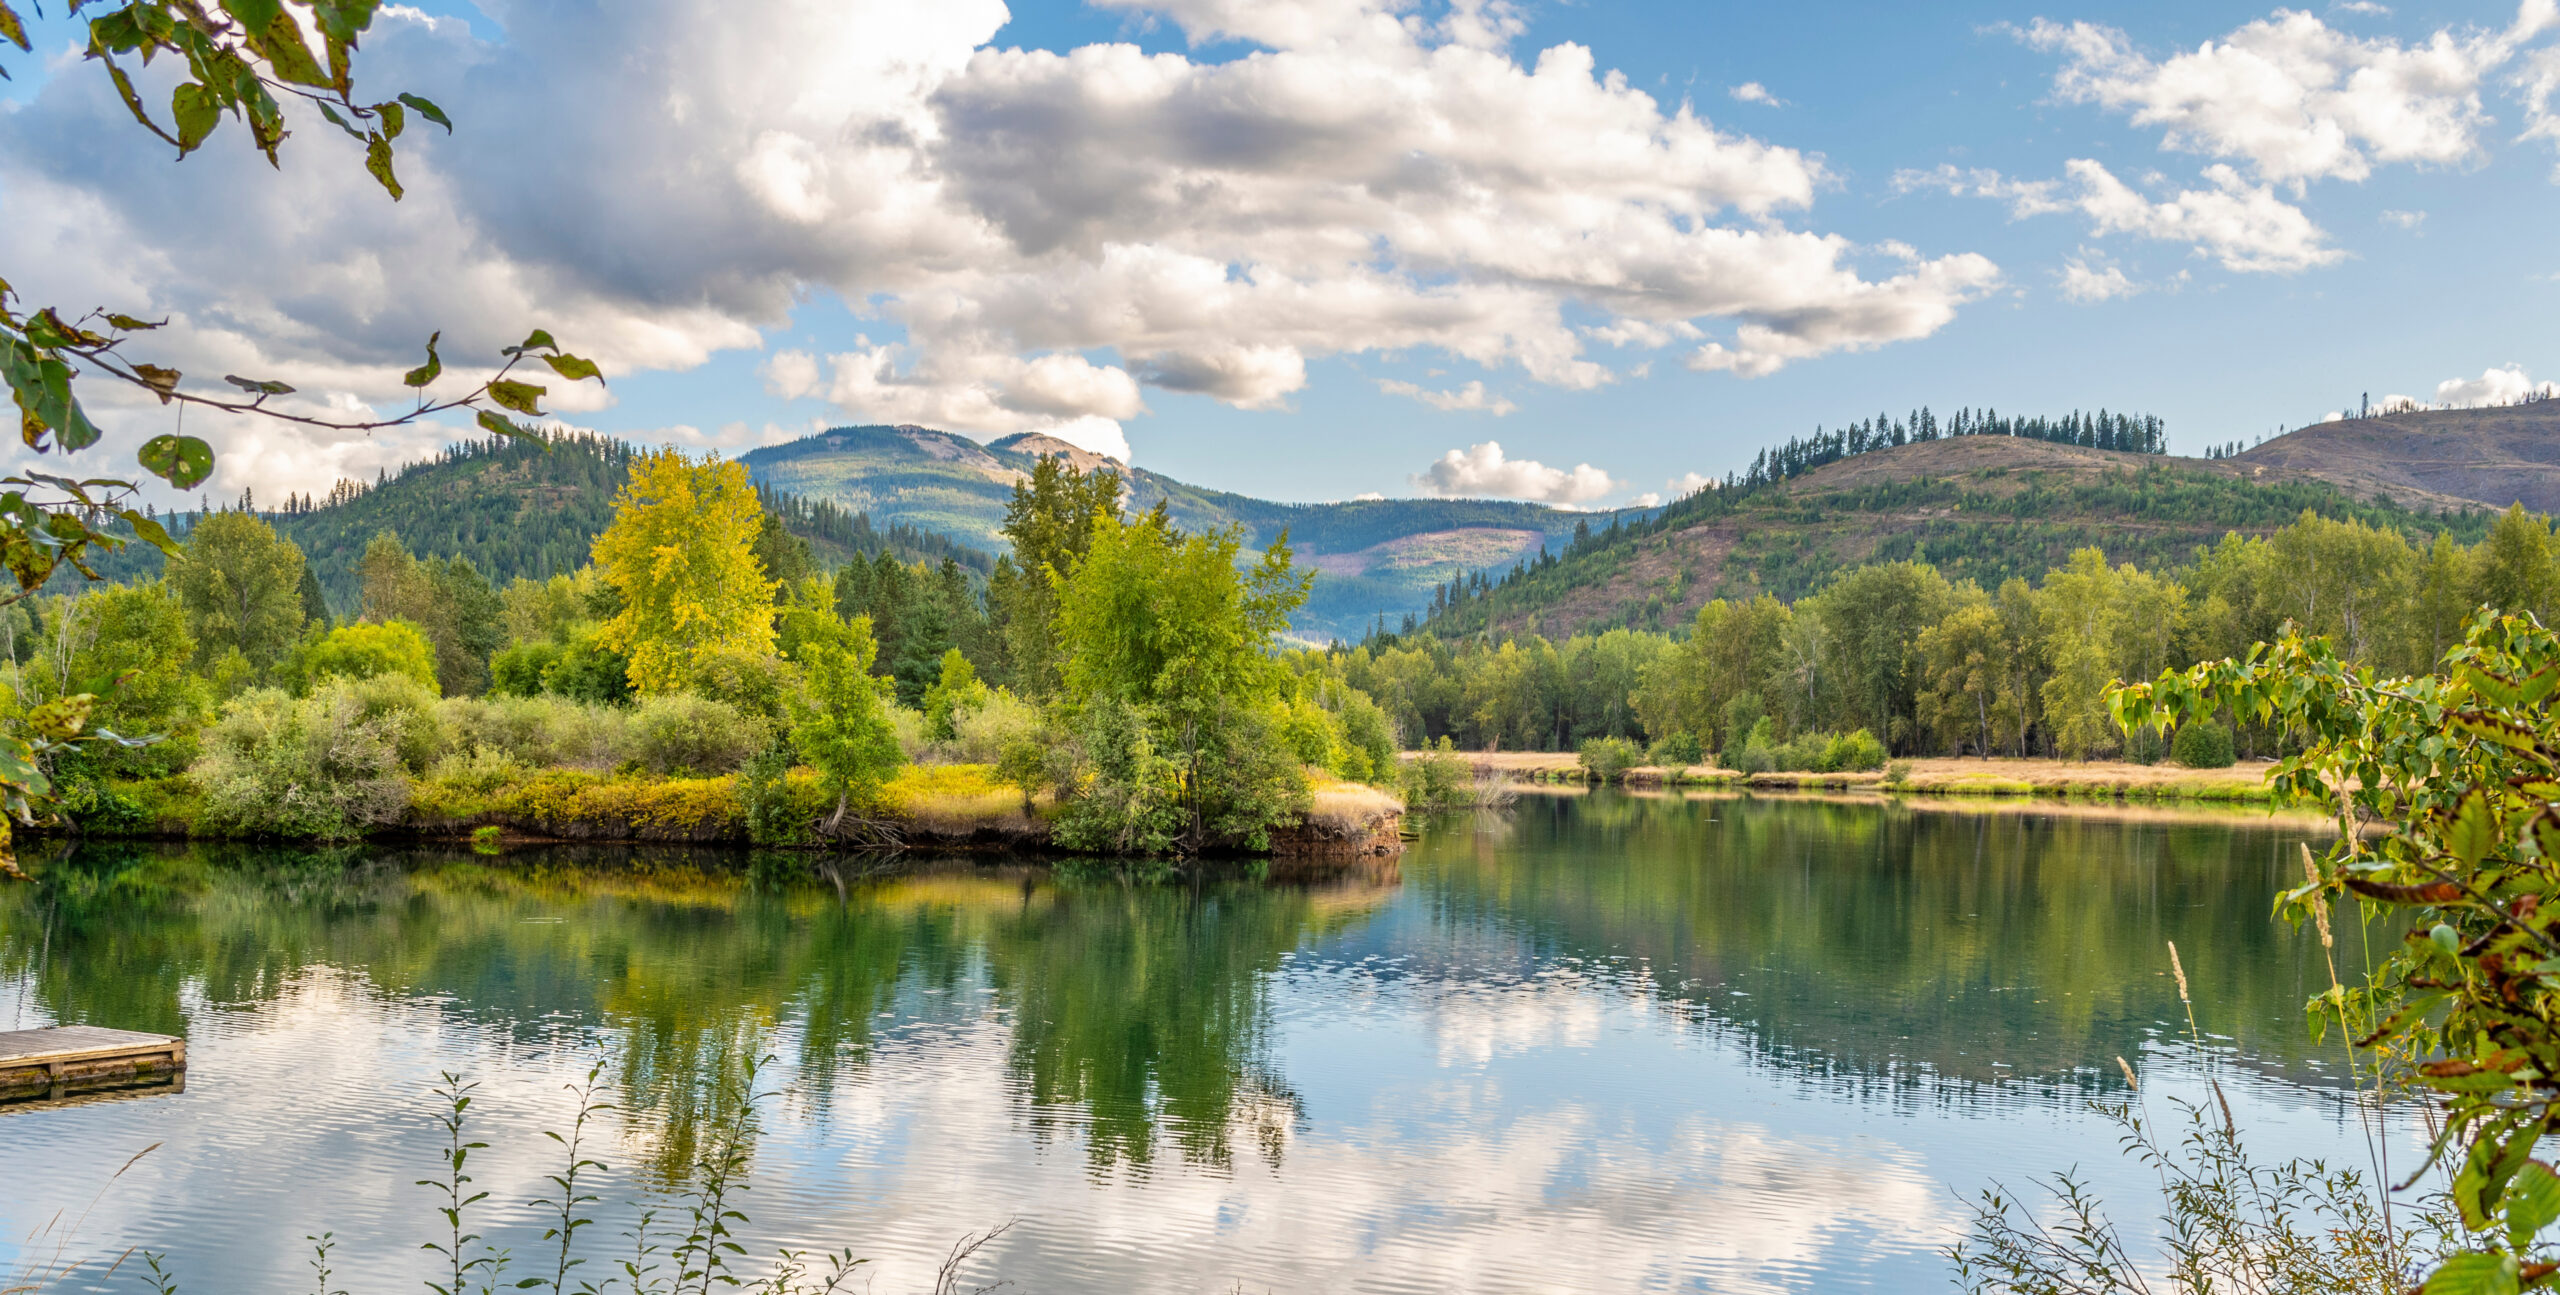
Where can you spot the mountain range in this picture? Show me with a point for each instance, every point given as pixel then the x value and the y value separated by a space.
pixel 1984 507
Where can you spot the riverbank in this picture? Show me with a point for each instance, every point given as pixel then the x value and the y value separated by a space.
pixel 945 807
pixel 2243 783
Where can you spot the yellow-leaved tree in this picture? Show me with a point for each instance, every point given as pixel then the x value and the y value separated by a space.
pixel 681 553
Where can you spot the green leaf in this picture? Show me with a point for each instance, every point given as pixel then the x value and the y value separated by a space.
pixel 133 101
pixel 394 118
pixel 11 29
pixel 498 424
pixel 132 325
pixel 537 340
pixel 522 397
pixel 338 120
pixel 573 368
pixel 2533 1203
pixel 377 160
pixel 280 40
pixel 428 110
pixel 149 531
pixel 427 372
pixel 18 768
pixel 254 14
pixel 184 460
pixel 2475 1274
pixel 2473 832
pixel 256 386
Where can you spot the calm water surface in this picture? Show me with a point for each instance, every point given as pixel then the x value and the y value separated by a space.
pixel 1603 1044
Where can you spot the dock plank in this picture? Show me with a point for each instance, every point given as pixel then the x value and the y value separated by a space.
pixel 49 1059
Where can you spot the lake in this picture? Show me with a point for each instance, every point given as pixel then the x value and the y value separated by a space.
pixel 1591 1043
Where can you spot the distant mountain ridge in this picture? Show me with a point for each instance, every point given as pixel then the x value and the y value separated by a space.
pixel 1989 507
pixel 1373 557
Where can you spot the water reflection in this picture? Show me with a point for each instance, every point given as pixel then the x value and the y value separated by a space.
pixel 1599 1043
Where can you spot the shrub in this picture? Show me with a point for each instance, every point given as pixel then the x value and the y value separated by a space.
pixel 1607 759
pixel 365 650
pixel 1368 740
pixel 1898 772
pixel 477 772
pixel 1751 759
pixel 543 732
pixel 1129 799
pixel 588 671
pixel 758 684
pixel 518 671
pixel 1307 731
pixel 957 690
pixel 1676 751
pixel 1852 752
pixel 1802 753
pixel 327 766
pixel 2202 744
pixel 682 735
pixel 1439 778
pixel 407 710
pixel 981 734
pixel 765 800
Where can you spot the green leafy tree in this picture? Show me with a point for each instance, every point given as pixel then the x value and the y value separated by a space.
pixel 2462 770
pixel 956 690
pixel 1169 624
pixel 1050 522
pixel 842 726
pixel 366 649
pixel 241 586
pixel 129 647
pixel 681 553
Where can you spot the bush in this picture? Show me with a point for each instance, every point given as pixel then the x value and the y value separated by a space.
pixel 327 766
pixel 682 735
pixel 765 800
pixel 1607 759
pixel 1676 751
pixel 543 732
pixel 1803 753
pixel 407 710
pixel 1898 772
pixel 478 772
pixel 1852 752
pixel 365 650
pixel 1130 798
pixel 518 671
pixel 1307 731
pixel 981 734
pixel 590 672
pixel 2203 745
pixel 1368 740
pixel 757 684
pixel 1439 778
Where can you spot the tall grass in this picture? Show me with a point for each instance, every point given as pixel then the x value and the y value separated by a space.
pixel 684 1240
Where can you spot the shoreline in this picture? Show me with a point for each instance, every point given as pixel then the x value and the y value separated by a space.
pixel 2001 776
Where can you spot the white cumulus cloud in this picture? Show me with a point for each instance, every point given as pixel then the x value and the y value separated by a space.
pixel 2246 227
pixel 1483 469
pixel 2294 99
pixel 2499 386
pixel 1754 92
pixel 1471 398
pixel 2084 282
pixel 1038 235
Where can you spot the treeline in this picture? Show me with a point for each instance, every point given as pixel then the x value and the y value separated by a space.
pixel 514 509
pixel 1938 666
pixel 2129 433
pixel 1991 527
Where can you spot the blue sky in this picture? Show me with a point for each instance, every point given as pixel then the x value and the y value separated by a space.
pixel 1262 248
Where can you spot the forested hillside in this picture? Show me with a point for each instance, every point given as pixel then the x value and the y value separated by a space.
pixel 1374 557
pixel 514 508
pixel 1980 508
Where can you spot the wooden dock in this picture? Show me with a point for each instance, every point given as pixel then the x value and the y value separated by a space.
pixel 55 1064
